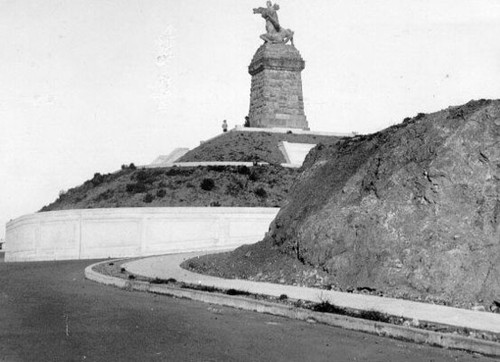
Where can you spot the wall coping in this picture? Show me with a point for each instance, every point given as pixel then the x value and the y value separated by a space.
pixel 145 211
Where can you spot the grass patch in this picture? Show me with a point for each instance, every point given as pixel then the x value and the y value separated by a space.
pixel 163 281
pixel 372 315
pixel 202 288
pixel 237 292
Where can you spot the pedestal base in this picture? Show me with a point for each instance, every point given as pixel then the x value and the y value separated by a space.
pixel 276 91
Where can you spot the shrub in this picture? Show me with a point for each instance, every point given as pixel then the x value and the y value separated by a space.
pixel 141 175
pixel 420 116
pixel 237 292
pixel 243 170
pixel 148 198
pixel 207 184
pixel 234 188
pixel 260 192
pixel 217 168
pixel 97 179
pixel 325 307
pixel 136 187
pixel 161 193
pixel 146 176
pixel 132 166
pixel 253 176
pixel 106 195
pixel 162 281
pixel 184 171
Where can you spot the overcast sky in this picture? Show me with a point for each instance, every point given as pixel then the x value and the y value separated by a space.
pixel 88 85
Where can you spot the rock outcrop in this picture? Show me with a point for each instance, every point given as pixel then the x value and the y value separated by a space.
pixel 413 210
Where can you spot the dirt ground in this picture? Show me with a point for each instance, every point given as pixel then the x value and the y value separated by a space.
pixel 49 312
pixel 259 262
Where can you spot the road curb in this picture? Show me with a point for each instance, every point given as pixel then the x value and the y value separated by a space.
pixel 445 340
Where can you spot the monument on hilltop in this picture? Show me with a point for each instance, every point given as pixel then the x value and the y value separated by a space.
pixel 276 91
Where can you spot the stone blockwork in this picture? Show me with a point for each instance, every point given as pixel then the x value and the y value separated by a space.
pixel 276 91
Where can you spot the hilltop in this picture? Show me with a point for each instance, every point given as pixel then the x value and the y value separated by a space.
pixel 412 211
pixel 241 186
pixel 247 146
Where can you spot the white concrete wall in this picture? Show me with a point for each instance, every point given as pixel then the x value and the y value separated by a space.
pixel 129 232
pixel 295 153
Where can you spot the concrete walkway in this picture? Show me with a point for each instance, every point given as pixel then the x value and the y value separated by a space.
pixel 167 266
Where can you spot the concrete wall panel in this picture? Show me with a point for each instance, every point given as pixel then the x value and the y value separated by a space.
pixel 130 232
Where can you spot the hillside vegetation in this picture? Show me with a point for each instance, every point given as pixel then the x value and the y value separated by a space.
pixel 258 186
pixel 250 147
pixel 262 186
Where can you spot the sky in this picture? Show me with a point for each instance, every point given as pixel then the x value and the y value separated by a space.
pixel 89 85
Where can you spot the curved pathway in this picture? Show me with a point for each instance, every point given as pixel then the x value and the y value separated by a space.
pixel 167 266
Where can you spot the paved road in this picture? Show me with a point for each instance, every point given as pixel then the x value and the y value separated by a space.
pixel 49 312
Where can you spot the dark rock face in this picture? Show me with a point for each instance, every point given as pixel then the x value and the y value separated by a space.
pixel 414 209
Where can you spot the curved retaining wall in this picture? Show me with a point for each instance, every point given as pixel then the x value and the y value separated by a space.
pixel 130 232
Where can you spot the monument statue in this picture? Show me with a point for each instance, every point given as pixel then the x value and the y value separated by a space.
pixel 275 33
pixel 276 99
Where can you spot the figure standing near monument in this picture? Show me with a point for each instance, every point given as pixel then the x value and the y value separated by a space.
pixel 224 126
pixel 275 33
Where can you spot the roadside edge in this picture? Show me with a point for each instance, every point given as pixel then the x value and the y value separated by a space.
pixel 445 340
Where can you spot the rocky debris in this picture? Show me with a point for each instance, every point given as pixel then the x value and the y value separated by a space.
pixel 413 211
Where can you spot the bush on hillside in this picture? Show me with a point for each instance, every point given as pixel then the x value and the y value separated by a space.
pixel 136 187
pixel 207 184
pixel 243 170
pixel 234 188
pixel 179 171
pixel 148 198
pixel 97 179
pixel 217 168
pixel 260 192
pixel 253 176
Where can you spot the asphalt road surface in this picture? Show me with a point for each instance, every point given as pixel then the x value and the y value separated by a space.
pixel 49 312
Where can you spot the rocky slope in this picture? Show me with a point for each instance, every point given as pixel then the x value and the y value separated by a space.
pixel 412 211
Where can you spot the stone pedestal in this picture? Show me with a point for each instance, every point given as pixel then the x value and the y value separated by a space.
pixel 276 92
